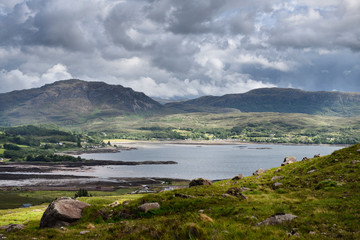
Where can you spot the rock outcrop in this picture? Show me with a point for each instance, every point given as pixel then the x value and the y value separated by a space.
pixel 277 219
pixel 288 160
pixel 199 182
pixel 238 177
pixel 276 178
pixel 62 212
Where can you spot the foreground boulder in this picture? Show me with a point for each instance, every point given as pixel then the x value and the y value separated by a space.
pixel 277 219
pixel 148 206
pixel 62 212
pixel 199 182
pixel 288 160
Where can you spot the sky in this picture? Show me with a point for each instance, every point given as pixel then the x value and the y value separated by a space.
pixel 176 49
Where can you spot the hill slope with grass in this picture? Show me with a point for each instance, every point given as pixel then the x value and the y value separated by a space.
pixel 323 193
pixel 70 102
pixel 283 100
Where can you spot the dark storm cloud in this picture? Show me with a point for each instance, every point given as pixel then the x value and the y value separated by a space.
pixel 187 48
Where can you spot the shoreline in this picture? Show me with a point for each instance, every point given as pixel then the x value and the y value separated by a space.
pixel 73 183
pixel 124 143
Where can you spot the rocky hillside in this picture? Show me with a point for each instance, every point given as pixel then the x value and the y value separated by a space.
pixel 283 100
pixel 72 101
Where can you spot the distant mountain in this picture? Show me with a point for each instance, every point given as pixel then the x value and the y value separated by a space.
pixel 283 100
pixel 72 101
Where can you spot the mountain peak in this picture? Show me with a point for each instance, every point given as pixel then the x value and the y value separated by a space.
pixel 72 101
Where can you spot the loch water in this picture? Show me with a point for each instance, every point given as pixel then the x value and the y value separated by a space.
pixel 208 161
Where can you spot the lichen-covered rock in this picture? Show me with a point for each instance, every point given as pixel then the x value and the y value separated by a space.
pixel 199 182
pixel 258 172
pixel 62 212
pixel 277 219
pixel 148 206
pixel 288 160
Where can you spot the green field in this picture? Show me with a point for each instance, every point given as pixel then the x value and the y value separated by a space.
pixel 324 194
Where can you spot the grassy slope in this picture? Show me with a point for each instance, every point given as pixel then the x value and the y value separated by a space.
pixel 326 202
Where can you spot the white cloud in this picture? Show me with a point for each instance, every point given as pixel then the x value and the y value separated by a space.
pixel 181 48
pixel 16 79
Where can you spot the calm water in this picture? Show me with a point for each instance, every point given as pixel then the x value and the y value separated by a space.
pixel 209 161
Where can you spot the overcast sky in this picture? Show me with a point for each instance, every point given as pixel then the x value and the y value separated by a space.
pixel 182 48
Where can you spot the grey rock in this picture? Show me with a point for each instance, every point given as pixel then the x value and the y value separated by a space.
pixel 317 155
pixel 238 177
pixel 276 178
pixel 236 192
pixel 62 212
pixel 258 172
pixel 199 182
pixel 84 232
pixel 288 160
pixel 13 227
pixel 311 171
pixel 148 206
pixel 183 195
pixel 277 185
pixel 277 219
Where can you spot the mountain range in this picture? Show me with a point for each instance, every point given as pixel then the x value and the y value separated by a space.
pixel 74 101
pixel 282 100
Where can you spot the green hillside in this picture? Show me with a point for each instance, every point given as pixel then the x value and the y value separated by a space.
pixel 249 127
pixel 323 193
